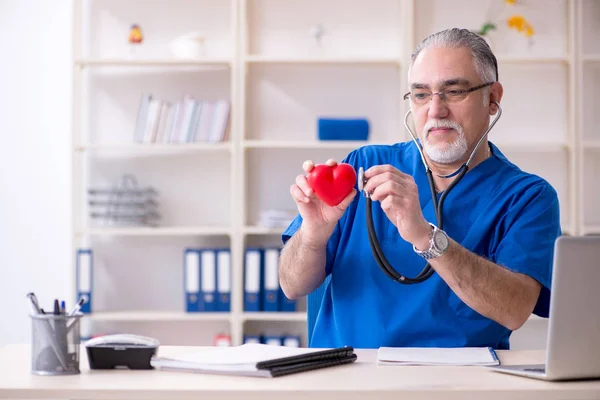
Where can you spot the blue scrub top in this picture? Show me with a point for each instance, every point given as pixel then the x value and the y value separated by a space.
pixel 496 211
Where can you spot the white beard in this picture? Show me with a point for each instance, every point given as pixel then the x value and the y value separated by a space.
pixel 444 153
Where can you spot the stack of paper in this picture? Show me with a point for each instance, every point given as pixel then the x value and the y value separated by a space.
pixel 484 356
pixel 254 359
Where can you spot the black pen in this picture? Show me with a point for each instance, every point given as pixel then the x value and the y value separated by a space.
pixel 56 307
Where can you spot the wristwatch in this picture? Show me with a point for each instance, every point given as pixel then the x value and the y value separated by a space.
pixel 438 244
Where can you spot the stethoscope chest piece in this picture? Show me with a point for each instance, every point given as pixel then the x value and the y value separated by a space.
pixel 361 180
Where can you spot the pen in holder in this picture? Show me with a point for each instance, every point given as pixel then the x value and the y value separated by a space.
pixel 55 341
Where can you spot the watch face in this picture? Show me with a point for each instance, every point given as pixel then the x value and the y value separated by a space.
pixel 441 241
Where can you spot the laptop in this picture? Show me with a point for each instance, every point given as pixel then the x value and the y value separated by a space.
pixel 574 325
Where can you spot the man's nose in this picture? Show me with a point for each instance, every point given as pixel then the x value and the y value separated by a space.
pixel 437 107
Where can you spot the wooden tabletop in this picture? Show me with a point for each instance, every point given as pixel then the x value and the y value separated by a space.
pixel 361 380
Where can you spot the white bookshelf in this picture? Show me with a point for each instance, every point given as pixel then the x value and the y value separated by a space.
pixel 261 57
pixel 157 316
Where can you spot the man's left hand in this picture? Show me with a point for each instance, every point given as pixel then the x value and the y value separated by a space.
pixel 399 199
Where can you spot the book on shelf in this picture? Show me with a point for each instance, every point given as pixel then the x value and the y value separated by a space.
pixel 188 120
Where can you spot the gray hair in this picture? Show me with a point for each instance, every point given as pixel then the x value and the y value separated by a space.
pixel 485 61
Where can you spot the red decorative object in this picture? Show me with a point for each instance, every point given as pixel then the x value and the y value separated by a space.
pixel 332 184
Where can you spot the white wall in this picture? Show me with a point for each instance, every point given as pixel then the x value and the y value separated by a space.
pixel 35 95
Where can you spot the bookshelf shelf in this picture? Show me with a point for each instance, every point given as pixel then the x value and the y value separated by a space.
pixel 116 62
pixel 158 231
pixel 305 144
pixel 156 148
pixel 143 316
pixel 591 230
pixel 591 144
pixel 351 145
pixel 261 230
pixel 592 58
pixel 533 147
pixel 262 59
pixel 506 59
pixel 274 316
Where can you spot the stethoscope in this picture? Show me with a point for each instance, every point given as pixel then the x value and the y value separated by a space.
pixel 437 205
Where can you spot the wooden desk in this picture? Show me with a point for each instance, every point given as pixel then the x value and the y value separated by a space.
pixel 361 380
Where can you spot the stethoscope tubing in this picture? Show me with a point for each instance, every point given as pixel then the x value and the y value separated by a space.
pixel 427 271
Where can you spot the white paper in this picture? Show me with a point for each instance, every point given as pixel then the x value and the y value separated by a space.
pixel 436 356
pixel 237 360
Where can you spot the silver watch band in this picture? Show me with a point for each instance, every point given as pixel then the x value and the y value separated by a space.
pixel 434 250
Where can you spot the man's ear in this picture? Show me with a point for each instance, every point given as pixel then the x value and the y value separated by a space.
pixel 496 91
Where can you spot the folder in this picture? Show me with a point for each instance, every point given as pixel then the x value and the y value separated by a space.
pixel 285 304
pixel 191 278
pixel 224 280
pixel 271 280
pixel 252 339
pixel 272 340
pixel 84 277
pixel 255 360
pixel 207 301
pixel 252 280
pixel 291 341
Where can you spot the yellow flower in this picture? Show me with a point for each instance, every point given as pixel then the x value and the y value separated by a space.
pixel 519 23
pixel 510 2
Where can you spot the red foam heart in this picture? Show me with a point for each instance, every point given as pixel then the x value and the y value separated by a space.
pixel 332 184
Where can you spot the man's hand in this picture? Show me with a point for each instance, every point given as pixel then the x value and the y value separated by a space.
pixel 399 199
pixel 318 219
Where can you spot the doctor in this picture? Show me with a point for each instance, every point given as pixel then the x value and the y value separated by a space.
pixel 500 222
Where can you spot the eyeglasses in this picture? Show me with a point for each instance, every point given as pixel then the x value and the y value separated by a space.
pixel 420 97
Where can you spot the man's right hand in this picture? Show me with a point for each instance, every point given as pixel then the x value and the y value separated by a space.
pixel 318 219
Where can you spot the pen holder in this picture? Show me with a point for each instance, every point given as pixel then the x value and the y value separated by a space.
pixel 55 341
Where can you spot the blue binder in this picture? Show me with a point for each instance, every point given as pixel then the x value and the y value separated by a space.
pixel 253 267
pixel 271 288
pixel 291 341
pixel 272 340
pixel 285 304
pixel 191 279
pixel 252 339
pixel 224 280
pixel 207 300
pixel 84 278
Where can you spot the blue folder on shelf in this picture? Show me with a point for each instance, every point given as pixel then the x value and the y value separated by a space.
pixel 252 339
pixel 342 129
pixel 84 278
pixel 224 280
pixel 191 277
pixel 253 267
pixel 285 304
pixel 207 300
pixel 291 341
pixel 272 340
pixel 271 289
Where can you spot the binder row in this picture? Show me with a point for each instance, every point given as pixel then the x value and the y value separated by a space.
pixel 261 282
pixel 273 340
pixel 207 280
